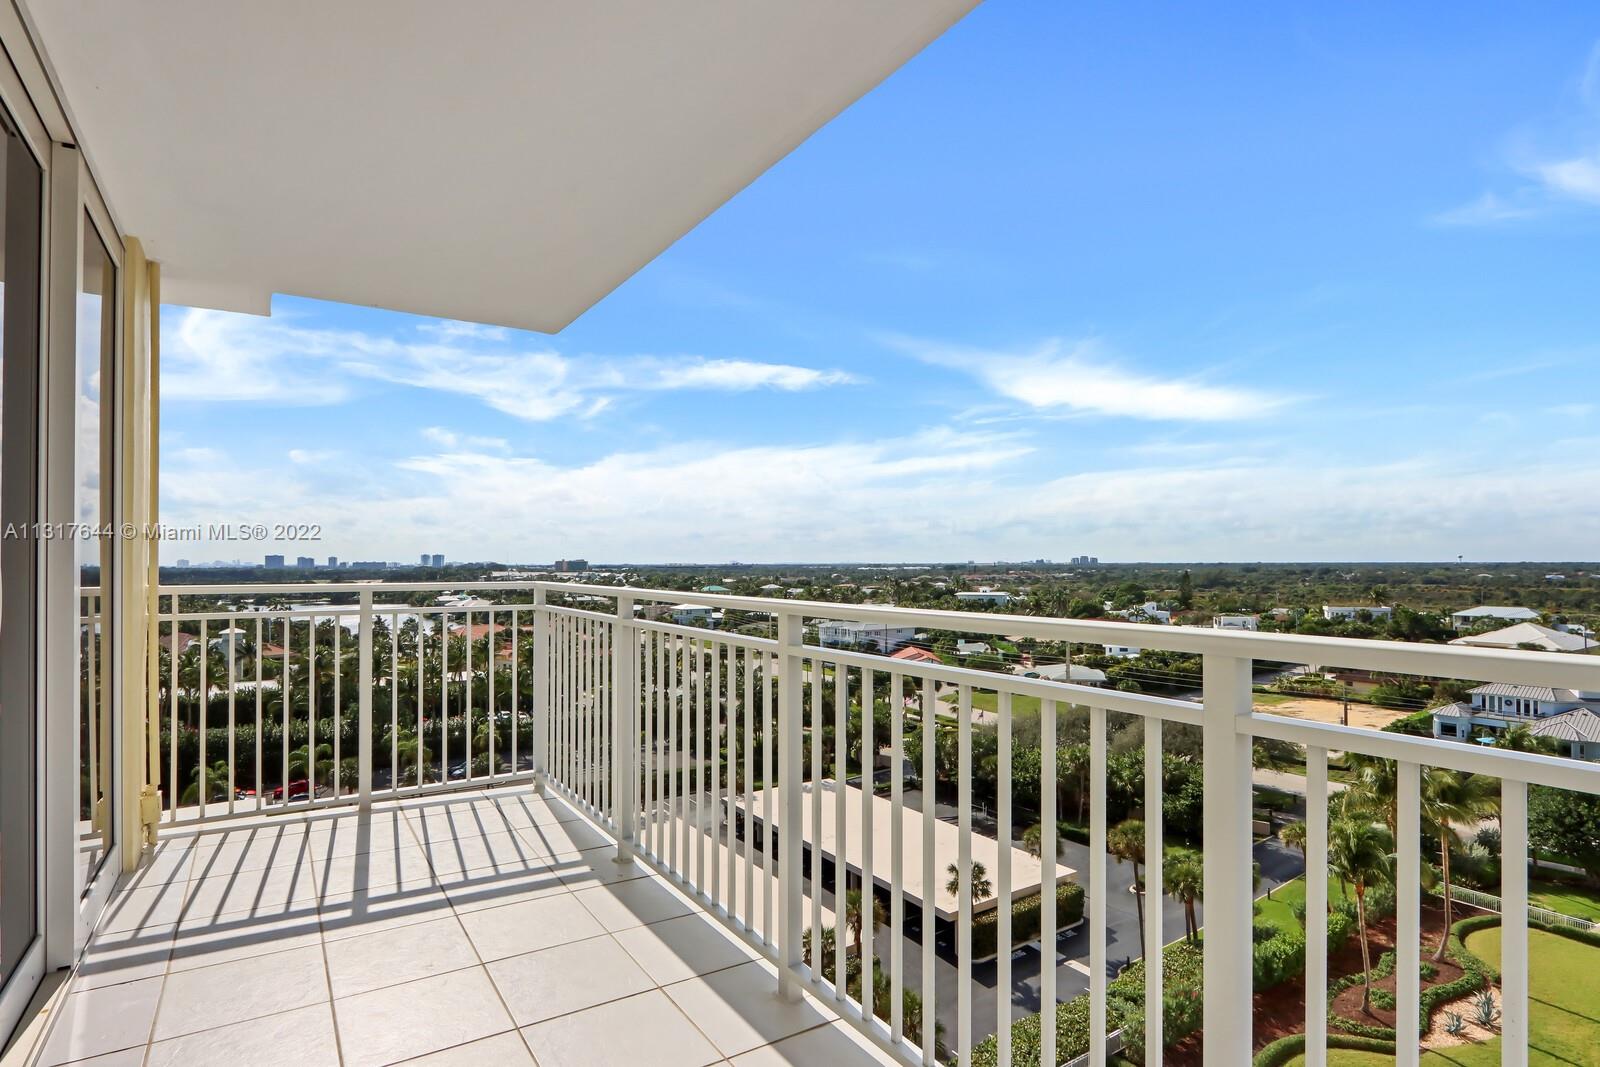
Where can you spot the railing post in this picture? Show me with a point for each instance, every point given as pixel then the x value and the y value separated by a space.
pixel 1228 882
pixel 625 727
pixel 364 712
pixel 791 634
pixel 541 690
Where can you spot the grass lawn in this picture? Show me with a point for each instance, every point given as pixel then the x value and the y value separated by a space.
pixel 1021 703
pixel 1568 899
pixel 1270 700
pixel 1565 1023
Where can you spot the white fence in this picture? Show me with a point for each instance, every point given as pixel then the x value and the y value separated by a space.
pixel 691 745
pixel 1490 902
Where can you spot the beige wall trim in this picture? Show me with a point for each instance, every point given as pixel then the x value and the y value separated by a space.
pixel 136 546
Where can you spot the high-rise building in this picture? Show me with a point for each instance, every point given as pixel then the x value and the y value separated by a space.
pixel 183 563
pixel 305 561
pixel 333 561
pixel 274 561
pixel 438 559
pixel 425 559
pixel 571 566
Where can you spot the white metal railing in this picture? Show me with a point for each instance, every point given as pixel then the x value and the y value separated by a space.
pixel 703 750
pixel 1489 902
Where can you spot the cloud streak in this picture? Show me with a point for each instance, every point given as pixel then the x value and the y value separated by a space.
pixel 217 356
pixel 1083 377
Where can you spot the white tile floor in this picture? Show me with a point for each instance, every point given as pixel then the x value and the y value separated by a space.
pixel 484 928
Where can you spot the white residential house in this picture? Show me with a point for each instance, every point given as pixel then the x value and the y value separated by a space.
pixel 692 614
pixel 1076 673
pixel 969 648
pixel 985 595
pixel 1149 611
pixel 1530 635
pixel 880 636
pixel 1122 651
pixel 1566 714
pixel 1464 620
pixel 1236 622
pixel 1341 613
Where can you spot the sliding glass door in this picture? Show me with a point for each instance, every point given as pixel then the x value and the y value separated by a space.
pixel 21 191
pixel 96 478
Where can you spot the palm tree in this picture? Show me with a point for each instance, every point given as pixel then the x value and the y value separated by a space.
pixel 1449 798
pixel 854 917
pixel 214 782
pixel 1376 789
pixel 309 764
pixel 980 881
pixel 1033 840
pixel 1359 851
pixel 1294 835
pixel 1126 843
pixel 1184 873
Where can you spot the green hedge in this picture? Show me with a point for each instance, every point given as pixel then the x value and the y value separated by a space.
pixel 1025 916
pixel 1285 1049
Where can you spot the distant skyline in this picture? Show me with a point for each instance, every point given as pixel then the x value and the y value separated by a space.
pixel 1241 283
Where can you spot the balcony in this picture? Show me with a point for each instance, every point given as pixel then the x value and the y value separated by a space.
pixel 398 829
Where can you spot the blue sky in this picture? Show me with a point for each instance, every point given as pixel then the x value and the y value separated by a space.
pixel 1141 281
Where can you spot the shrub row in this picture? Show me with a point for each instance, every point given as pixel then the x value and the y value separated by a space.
pixel 1286 1049
pixel 1025 919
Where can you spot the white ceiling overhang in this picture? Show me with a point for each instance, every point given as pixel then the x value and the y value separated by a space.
pixel 491 161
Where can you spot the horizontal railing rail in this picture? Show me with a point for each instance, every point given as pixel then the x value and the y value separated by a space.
pixel 793 789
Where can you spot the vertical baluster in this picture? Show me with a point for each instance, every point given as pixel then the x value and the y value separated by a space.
pixel 790 638
pixel 1513 923
pixel 730 818
pixel 964 869
pixel 394 702
pixel 749 789
pixel 259 697
pixel 1408 913
pixel 422 688
pixel 466 710
pixel 697 684
pixel 930 884
pixel 815 837
pixel 1099 885
pixel 769 742
pixel 1154 897
pixel 444 698
pixel 283 778
pixel 869 759
pixel 841 867
pixel 897 857
pixel 714 754
pixel 1049 851
pixel 516 692
pixel 1003 835
pixel 367 622
pixel 233 726
pixel 338 702
pixel 1227 771
pixel 173 786
pixel 1316 906
pixel 675 751
pixel 652 760
pixel 205 687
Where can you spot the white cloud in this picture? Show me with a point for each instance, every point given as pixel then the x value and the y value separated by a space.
pixel 1576 178
pixel 938 495
pixel 738 375
pixel 449 439
pixel 1081 376
pixel 1487 210
pixel 219 356
pixel 310 455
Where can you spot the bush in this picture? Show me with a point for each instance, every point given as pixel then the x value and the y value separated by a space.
pixel 1183 1011
pixel 1279 958
pixel 1285 1049
pixel 1025 916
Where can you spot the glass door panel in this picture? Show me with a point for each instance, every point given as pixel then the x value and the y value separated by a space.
pixel 21 185
pixel 95 480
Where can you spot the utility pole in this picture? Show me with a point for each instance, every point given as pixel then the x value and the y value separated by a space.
pixel 1344 719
